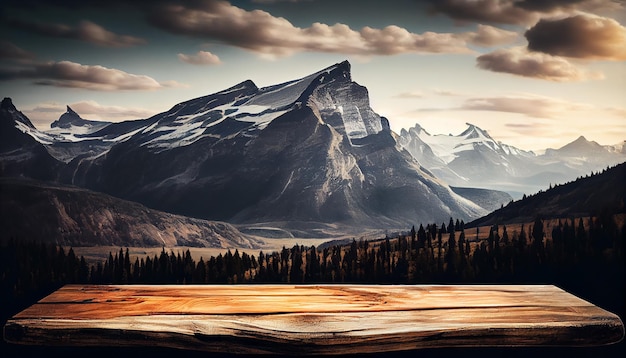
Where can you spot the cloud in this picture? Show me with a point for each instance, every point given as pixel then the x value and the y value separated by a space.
pixel 85 31
pixel 529 105
pixel 488 36
pixel 200 58
pixel 491 11
pixel 582 36
pixel 9 50
pixel 448 93
pixel 518 61
pixel 263 33
pixel 410 95
pixel 617 111
pixel 93 110
pixel 420 94
pixel 517 12
pixel 75 75
pixel 550 6
pixel 42 114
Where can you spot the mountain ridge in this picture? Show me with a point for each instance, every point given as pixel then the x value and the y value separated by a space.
pixel 586 196
pixel 73 216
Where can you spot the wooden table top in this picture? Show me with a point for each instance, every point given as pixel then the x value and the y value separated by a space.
pixel 313 319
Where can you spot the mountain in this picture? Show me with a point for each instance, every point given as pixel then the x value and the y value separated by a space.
pixel 474 159
pixel 70 120
pixel 309 150
pixel 22 149
pixel 78 217
pixel 586 196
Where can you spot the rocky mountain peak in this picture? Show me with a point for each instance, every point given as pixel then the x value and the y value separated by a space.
pixel 69 110
pixel 67 119
pixel 13 115
pixel 7 104
pixel 245 86
pixel 341 70
pixel 474 132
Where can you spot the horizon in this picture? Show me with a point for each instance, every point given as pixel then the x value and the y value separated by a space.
pixel 535 76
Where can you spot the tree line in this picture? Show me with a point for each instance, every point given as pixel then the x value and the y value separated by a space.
pixel 431 253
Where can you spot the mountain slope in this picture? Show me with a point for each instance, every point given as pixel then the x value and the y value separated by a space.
pixel 308 150
pixel 583 197
pixel 77 217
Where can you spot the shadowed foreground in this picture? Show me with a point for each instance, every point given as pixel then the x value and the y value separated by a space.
pixel 314 320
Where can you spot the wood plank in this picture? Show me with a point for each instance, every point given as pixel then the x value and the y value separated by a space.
pixel 313 319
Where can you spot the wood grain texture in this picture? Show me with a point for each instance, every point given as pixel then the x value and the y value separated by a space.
pixel 307 319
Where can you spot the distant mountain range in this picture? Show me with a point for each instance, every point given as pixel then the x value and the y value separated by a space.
pixel 309 151
pixel 474 159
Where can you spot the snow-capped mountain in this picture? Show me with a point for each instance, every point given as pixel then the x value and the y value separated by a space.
pixel 309 150
pixel 474 159
pixel 69 120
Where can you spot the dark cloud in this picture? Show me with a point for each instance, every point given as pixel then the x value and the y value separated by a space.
pixel 75 75
pixel 547 5
pixel 9 50
pixel 581 36
pixel 550 6
pixel 85 31
pixel 515 11
pixel 518 61
pixel 277 1
pixel 491 11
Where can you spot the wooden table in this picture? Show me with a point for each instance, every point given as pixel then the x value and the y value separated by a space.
pixel 313 319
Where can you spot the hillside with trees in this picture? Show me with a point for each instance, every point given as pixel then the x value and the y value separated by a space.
pixel 586 196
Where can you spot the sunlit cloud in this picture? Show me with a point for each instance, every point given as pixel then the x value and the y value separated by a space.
pixel 521 62
pixel 200 58
pixel 91 77
pixel 529 105
pixel 488 36
pixel 271 36
pixel 85 31
pixel 410 95
pixel 582 36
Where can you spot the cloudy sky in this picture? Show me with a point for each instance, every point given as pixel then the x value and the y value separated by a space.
pixel 533 73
